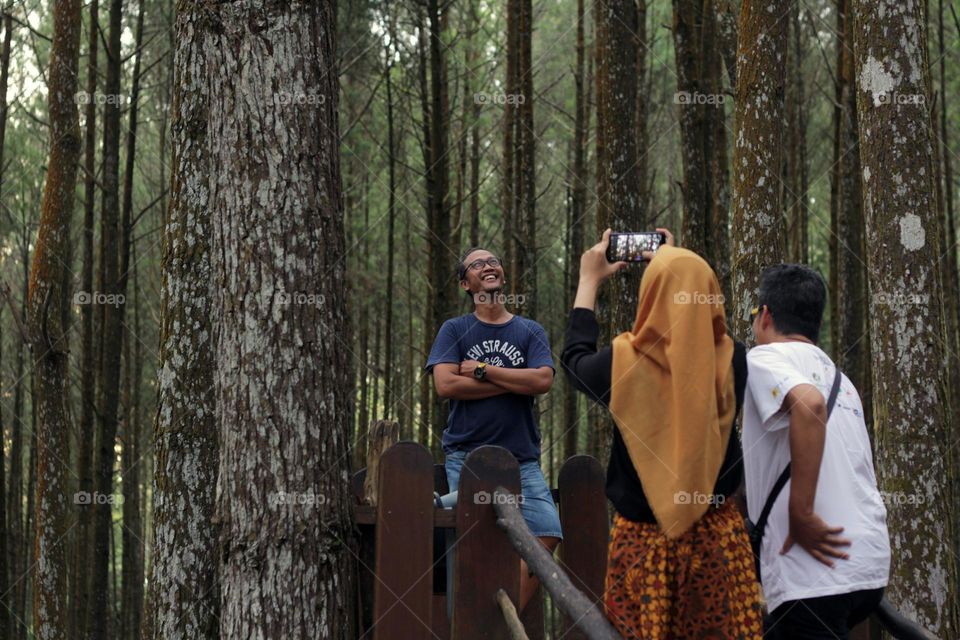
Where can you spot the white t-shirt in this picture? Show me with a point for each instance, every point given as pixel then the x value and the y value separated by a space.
pixel 847 494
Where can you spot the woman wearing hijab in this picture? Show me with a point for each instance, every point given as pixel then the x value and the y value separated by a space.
pixel 679 562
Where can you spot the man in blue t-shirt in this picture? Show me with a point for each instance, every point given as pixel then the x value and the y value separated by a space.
pixel 490 364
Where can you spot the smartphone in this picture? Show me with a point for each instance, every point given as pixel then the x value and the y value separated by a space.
pixel 629 247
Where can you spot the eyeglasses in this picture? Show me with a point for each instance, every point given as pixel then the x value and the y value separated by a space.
pixel 476 265
pixel 756 311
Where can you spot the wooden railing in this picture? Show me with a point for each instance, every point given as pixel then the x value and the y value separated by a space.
pixel 403 585
pixel 404 552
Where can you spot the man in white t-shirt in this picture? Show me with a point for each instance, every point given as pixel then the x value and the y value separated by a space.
pixel 825 555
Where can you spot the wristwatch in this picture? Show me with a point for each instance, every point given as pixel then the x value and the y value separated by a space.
pixel 481 371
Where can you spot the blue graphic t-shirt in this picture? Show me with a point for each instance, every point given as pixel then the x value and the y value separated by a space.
pixel 507 420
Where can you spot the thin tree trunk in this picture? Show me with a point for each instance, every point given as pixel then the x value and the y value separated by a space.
pixel 48 334
pixel 759 105
pixel 111 328
pixel 83 557
pixel 132 534
pixel 511 115
pixel 283 373
pixel 726 17
pixel 849 300
pixel 903 231
pixel 388 395
pixel 184 590
pixel 951 286
pixel 7 530
pixel 576 224
pixel 795 196
pixel 526 220
pixel 441 268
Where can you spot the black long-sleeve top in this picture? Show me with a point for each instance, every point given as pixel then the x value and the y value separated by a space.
pixel 589 371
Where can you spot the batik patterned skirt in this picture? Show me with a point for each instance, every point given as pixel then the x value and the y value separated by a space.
pixel 701 585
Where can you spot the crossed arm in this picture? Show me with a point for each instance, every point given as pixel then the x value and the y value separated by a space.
pixel 457 382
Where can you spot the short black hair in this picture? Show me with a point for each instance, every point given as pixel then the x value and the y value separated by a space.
pixel 796 296
pixel 462 268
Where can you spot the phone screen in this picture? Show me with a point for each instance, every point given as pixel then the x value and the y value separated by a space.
pixel 629 247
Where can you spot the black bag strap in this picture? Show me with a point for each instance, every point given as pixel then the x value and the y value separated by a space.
pixel 785 475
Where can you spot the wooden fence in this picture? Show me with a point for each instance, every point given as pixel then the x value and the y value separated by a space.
pixel 405 543
pixel 402 539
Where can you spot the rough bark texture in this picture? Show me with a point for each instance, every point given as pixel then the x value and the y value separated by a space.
pixel 700 104
pixel 283 372
pixel 184 594
pixel 912 416
pixel 757 214
pixel 48 334
pixel 619 185
pixel 851 338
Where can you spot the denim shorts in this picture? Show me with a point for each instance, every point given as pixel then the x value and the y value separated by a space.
pixel 538 508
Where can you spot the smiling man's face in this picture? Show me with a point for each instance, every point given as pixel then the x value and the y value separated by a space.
pixel 481 276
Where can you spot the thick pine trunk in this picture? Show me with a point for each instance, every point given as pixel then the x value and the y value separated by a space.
pixel 48 334
pixel 283 367
pixel 184 595
pixel 700 103
pixel 759 104
pixel 907 331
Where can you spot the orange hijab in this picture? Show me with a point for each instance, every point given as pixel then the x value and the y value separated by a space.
pixel 672 394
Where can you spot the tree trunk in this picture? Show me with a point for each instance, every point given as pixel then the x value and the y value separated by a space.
pixel 511 115
pixel 282 367
pixel 526 221
pixel 849 300
pixel 576 225
pixel 951 286
pixel 700 100
pixel 441 270
pixel 726 17
pixel 907 330
pixel 132 533
pixel 83 558
pixel 757 214
pixel 619 184
pixel 7 528
pixel 111 327
pixel 48 334
pixel 795 198
pixel 389 399
pixel 184 591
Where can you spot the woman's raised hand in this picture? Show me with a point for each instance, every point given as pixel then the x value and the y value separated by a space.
pixel 594 267
pixel 648 255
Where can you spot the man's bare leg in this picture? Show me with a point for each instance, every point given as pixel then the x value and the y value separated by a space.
pixel 528 583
